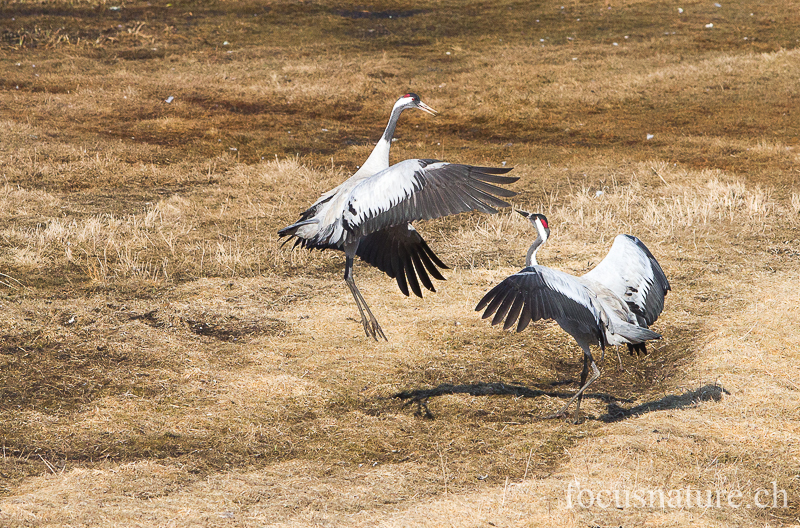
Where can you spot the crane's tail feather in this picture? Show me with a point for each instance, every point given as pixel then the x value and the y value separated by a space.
pixel 633 333
pixel 304 239
pixel 292 229
pixel 291 232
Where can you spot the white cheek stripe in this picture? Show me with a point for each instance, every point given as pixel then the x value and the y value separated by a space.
pixel 540 230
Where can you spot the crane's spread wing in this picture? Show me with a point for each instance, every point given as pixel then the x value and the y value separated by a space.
pixel 538 292
pixel 633 273
pixel 421 190
pixel 401 253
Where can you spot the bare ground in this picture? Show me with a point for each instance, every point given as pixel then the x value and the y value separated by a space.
pixel 164 362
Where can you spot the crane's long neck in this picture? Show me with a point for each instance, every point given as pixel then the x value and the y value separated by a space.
pixel 541 238
pixel 530 260
pixel 378 160
pixel 388 134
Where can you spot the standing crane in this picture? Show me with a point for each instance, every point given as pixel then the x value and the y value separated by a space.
pixel 370 214
pixel 612 304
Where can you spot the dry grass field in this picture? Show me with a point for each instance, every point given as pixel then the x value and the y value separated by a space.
pixel 164 362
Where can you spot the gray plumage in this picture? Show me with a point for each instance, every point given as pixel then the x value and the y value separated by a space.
pixel 613 304
pixel 370 214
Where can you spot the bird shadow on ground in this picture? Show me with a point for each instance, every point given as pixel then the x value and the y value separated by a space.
pixel 615 413
pixel 420 396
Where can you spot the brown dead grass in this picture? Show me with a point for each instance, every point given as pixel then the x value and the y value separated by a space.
pixel 163 362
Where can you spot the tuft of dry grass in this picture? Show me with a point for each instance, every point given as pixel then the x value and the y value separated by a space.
pixel 164 361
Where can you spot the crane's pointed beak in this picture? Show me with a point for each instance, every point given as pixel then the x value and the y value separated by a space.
pixel 523 213
pixel 425 108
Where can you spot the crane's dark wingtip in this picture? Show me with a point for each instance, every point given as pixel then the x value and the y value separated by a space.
pixel 637 349
pixel 491 177
pixel 494 170
pixel 482 303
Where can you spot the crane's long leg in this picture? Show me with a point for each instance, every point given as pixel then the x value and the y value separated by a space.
pixel 371 326
pixel 587 361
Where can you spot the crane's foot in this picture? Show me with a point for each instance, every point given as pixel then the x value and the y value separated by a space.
pixel 371 326
pixel 559 414
pixel 563 412
pixel 373 329
pixel 578 395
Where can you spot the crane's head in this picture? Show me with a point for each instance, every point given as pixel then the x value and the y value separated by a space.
pixel 539 221
pixel 412 100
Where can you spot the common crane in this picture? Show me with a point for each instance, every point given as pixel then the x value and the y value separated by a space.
pixel 612 304
pixel 370 214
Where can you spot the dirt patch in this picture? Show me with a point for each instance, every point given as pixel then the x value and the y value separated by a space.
pixel 234 329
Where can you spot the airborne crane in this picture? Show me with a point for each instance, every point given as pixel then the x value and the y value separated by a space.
pixel 370 214
pixel 612 304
